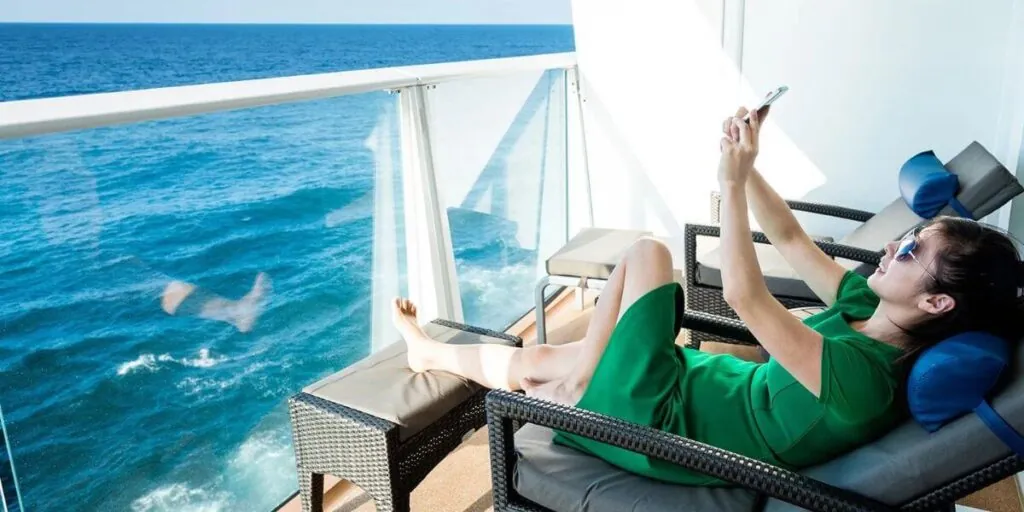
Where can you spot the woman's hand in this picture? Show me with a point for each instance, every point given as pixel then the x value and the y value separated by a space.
pixel 739 147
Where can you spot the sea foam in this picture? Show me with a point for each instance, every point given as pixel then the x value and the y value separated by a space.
pixel 152 362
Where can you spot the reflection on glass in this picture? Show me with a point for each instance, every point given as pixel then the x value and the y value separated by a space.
pixel 500 161
pixel 168 285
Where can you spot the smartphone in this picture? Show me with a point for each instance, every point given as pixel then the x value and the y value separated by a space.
pixel 768 100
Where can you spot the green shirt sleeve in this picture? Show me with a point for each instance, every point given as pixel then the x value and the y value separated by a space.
pixel 855 298
pixel 856 371
pixel 855 384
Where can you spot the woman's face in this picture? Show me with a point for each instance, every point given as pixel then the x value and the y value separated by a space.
pixel 903 276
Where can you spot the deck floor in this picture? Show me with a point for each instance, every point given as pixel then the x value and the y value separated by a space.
pixel 462 482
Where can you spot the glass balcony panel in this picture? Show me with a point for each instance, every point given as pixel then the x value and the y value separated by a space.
pixel 10 498
pixel 499 147
pixel 168 285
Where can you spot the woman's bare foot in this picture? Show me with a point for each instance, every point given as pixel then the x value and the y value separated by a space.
pixel 564 391
pixel 419 346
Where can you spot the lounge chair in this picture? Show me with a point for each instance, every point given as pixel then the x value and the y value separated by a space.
pixel 984 186
pixel 907 469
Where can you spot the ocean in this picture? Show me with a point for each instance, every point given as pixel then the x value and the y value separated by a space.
pixel 265 215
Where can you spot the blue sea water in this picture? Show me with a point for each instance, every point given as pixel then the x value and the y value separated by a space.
pixel 111 403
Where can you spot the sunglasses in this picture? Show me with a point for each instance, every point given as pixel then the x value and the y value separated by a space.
pixel 905 251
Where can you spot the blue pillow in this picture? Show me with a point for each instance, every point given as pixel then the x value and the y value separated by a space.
pixel 953 377
pixel 926 186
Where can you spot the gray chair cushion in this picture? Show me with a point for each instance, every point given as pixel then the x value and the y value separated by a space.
pixel 985 185
pixel 890 223
pixel 566 480
pixel 593 253
pixel 382 384
pixel 909 461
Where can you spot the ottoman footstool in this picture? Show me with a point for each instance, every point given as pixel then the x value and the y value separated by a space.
pixel 382 426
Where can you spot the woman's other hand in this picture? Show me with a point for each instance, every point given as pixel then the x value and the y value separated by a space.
pixel 739 147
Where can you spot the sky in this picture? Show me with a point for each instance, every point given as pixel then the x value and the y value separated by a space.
pixel 289 11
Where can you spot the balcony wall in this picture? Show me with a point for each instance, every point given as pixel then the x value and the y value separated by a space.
pixel 872 83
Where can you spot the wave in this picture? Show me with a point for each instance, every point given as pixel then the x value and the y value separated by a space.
pixel 199 385
pixel 495 287
pixel 144 362
pixel 152 363
pixel 260 470
pixel 264 465
pixel 182 498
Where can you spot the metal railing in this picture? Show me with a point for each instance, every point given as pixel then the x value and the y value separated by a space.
pixel 26 118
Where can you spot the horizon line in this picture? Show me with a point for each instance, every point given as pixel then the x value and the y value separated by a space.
pixel 311 23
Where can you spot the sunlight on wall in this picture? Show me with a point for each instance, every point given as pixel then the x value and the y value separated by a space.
pixel 871 82
pixel 657 86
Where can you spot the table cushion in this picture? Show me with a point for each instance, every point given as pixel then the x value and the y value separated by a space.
pixel 563 479
pixel 382 384
pixel 593 253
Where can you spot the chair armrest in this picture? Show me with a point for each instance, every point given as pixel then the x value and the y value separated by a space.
pixel 709 323
pixel 516 340
pixel 829 210
pixel 504 408
pixel 692 231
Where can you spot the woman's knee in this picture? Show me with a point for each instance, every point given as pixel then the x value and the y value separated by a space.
pixel 539 354
pixel 651 251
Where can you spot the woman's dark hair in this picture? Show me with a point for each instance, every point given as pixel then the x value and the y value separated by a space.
pixel 980 268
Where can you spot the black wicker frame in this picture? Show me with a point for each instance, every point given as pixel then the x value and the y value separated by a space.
pixel 831 210
pixel 709 299
pixel 330 438
pixel 506 410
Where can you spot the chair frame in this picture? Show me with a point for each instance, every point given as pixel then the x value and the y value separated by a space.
pixel 709 299
pixel 506 410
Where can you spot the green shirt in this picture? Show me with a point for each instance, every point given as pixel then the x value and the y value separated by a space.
pixel 859 386
pixel 757 410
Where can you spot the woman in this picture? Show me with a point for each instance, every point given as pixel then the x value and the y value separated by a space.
pixel 833 381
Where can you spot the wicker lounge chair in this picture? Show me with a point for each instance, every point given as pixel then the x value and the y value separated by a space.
pixel 907 469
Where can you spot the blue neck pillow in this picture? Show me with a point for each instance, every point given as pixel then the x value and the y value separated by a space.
pixel 954 377
pixel 927 186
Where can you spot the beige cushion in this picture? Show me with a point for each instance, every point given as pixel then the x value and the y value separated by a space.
pixel 780 278
pixel 593 253
pixel 807 312
pixel 382 384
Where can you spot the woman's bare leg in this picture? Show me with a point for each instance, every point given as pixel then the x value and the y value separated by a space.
pixel 493 366
pixel 559 373
pixel 646 266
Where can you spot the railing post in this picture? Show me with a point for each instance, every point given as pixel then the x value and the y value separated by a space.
pixel 433 283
